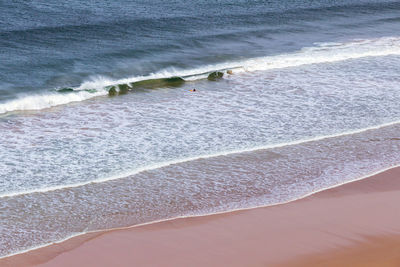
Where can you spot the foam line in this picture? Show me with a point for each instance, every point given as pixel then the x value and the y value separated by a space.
pixel 177 161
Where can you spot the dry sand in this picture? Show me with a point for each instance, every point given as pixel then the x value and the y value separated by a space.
pixel 356 224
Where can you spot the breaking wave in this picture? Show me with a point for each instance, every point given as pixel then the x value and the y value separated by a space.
pixel 36 102
pixel 100 86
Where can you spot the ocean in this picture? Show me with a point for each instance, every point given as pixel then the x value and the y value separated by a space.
pixel 100 127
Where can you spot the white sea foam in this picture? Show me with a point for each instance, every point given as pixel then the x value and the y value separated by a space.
pixel 320 53
pixel 182 160
pixel 328 52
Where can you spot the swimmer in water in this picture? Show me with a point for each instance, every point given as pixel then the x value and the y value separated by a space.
pixel 193 90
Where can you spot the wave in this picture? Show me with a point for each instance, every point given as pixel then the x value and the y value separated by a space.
pixel 37 102
pixel 183 160
pixel 100 86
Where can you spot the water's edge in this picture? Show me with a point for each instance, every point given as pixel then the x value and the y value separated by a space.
pixel 370 175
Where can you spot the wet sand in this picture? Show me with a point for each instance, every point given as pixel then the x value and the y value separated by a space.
pixel 356 224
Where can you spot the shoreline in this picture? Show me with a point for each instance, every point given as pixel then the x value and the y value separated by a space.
pixel 195 216
pixel 51 251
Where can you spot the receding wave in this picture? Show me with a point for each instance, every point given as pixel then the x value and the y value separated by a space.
pixel 98 86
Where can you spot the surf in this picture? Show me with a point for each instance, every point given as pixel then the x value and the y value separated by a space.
pixel 160 165
pixel 321 53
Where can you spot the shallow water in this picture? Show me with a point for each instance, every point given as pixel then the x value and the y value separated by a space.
pixel 202 186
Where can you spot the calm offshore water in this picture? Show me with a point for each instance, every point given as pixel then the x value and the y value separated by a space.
pixel 77 160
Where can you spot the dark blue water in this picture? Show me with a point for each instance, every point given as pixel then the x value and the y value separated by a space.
pixel 49 45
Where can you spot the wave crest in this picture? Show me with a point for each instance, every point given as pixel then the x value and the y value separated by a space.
pixel 37 102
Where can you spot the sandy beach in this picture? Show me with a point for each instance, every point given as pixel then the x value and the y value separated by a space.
pixel 356 224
